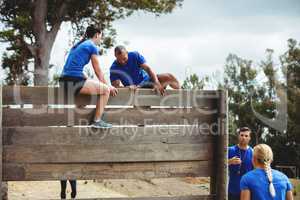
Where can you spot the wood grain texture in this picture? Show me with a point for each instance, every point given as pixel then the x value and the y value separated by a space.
pixel 105 153
pixel 116 116
pixel 141 97
pixel 86 171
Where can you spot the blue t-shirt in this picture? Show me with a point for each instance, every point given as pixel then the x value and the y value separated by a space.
pixel 256 181
pixel 131 73
pixel 78 58
pixel 237 171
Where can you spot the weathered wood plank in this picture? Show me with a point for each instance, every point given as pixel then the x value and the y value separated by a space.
pixel 141 97
pixel 219 177
pixel 1 141
pixel 117 116
pixel 3 185
pixel 106 153
pixel 194 197
pixel 84 171
pixel 116 135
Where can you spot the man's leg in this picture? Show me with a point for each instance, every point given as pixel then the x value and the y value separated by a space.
pixel 168 79
pixel 63 185
pixel 73 187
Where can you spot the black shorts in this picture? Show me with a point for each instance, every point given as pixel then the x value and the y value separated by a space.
pixel 71 84
pixel 147 84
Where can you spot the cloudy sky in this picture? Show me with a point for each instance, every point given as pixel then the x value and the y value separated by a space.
pixel 198 37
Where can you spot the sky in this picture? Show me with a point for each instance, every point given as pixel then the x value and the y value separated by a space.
pixel 197 37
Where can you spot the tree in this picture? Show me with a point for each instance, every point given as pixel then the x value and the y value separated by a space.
pixel 193 82
pixel 246 94
pixel 32 25
pixel 258 86
pixel 289 143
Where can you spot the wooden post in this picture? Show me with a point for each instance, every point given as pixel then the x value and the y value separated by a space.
pixel 222 169
pixel 3 185
pixel 219 177
pixel 1 141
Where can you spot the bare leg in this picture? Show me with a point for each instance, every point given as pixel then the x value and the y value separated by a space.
pixel 168 79
pixel 93 87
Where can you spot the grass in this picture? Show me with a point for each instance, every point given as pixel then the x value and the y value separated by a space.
pixel 296 185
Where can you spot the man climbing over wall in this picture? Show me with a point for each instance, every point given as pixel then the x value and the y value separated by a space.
pixel 130 69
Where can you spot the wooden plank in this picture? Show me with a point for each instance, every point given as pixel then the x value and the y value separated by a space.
pixel 116 135
pixel 85 171
pixel 3 185
pixel 116 116
pixel 1 161
pixel 106 153
pixel 220 176
pixel 193 197
pixel 184 98
pixel 15 95
pixel 142 97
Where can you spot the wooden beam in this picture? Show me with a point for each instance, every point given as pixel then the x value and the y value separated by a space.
pixel 1 141
pixel 105 153
pixel 142 97
pixel 86 171
pixel 194 197
pixel 219 178
pixel 14 136
pixel 117 116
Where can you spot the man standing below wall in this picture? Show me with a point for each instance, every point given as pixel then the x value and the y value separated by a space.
pixel 239 161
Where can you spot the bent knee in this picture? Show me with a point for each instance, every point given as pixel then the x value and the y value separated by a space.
pixel 103 89
pixel 169 77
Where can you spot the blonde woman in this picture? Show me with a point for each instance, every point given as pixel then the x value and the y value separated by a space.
pixel 265 183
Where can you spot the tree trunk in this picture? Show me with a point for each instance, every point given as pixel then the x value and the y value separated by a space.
pixel 41 64
pixel 44 39
pixel 257 135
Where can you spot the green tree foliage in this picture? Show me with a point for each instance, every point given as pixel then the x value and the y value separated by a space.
pixel 239 77
pixel 193 82
pixel 32 25
pixel 255 88
pixel 287 146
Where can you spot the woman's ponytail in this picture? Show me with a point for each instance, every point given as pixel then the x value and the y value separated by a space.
pixel 81 41
pixel 89 33
pixel 264 155
pixel 268 171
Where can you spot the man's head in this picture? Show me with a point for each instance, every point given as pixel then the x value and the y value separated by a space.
pixel 121 55
pixel 244 136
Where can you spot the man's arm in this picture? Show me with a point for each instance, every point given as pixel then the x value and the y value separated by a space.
pixel 100 75
pixel 245 195
pixel 289 195
pixel 116 84
pixel 154 78
pixel 98 71
pixel 148 69
pixel 234 161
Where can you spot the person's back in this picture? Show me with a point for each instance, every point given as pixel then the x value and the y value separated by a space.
pixel 265 183
pixel 78 57
pixel 257 182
